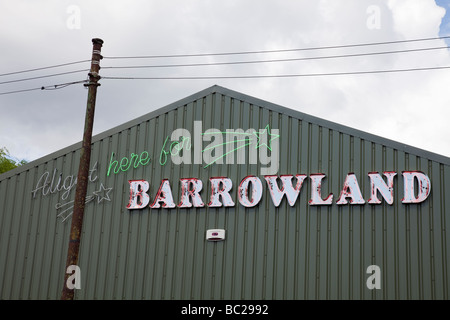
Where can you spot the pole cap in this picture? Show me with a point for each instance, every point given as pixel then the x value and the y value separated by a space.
pixel 97 41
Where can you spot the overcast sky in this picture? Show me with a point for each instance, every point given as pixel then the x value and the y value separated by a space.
pixel 409 107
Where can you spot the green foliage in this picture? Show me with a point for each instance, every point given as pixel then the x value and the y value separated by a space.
pixel 7 163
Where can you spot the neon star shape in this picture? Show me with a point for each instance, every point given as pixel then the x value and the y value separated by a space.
pixel 271 135
pixel 102 193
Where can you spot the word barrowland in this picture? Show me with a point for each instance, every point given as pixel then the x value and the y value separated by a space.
pixel 416 189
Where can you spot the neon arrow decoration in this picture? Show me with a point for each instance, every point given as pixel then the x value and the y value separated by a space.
pixel 101 194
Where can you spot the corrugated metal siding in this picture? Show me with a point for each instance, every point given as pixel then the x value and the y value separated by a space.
pixel 300 252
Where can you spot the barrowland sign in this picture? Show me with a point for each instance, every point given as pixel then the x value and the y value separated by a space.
pixel 220 188
pixel 416 185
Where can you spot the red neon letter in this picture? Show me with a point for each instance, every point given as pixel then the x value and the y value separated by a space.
pixel 351 190
pixel 193 192
pixel 316 191
pixel 138 194
pixel 286 188
pixel 256 191
pixel 378 184
pixel 164 195
pixel 408 187
pixel 223 192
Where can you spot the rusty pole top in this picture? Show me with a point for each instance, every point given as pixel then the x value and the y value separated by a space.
pixel 95 62
pixel 97 41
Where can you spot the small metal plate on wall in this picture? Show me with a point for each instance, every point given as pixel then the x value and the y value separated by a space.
pixel 215 234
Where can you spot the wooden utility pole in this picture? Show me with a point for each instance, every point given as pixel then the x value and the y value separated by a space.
pixel 83 170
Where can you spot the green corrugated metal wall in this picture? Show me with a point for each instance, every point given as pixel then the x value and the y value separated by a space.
pixel 300 252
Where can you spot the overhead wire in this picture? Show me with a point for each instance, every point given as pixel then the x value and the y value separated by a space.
pixel 275 60
pixel 50 87
pixel 46 76
pixel 228 63
pixel 44 68
pixel 277 76
pixel 274 51
pixel 59 86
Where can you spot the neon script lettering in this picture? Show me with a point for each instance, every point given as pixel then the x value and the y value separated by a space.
pixel 57 182
pixel 135 160
pixel 174 149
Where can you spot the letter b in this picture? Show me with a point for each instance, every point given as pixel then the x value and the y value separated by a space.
pixel 138 194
